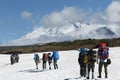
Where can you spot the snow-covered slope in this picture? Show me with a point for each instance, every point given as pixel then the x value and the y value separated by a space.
pixel 68 67
pixel 70 31
pixel 77 30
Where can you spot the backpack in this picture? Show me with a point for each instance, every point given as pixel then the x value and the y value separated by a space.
pixel 55 55
pixel 91 56
pixel 49 56
pixel 84 50
pixel 103 45
pixel 103 52
pixel 45 56
pixel 36 57
pixel 83 55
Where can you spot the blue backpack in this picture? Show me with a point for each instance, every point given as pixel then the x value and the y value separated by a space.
pixel 82 53
pixel 83 50
pixel 36 57
pixel 55 55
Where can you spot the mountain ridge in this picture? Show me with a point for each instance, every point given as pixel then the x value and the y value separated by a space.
pixel 72 31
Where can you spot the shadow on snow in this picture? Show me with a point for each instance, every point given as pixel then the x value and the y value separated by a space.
pixel 32 70
pixel 72 78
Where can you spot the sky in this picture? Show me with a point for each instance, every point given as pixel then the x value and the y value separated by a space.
pixel 20 17
pixel 69 68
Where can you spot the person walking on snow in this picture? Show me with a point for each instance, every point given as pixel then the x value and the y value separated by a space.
pixel 36 59
pixel 103 55
pixel 49 60
pixel 55 59
pixel 44 59
pixel 82 60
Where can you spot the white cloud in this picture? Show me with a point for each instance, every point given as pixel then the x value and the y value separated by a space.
pixel 113 12
pixel 60 18
pixel 26 15
pixel 110 15
pixel 98 18
pixel 55 26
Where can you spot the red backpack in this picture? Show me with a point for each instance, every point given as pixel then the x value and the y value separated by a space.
pixel 103 46
pixel 45 56
pixel 103 51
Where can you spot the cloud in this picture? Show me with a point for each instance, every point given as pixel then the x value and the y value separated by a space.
pixel 113 12
pixel 58 26
pixel 26 15
pixel 109 15
pixel 98 18
pixel 60 18
pixel 54 20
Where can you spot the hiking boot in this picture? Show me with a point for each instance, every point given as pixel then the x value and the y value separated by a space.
pixel 84 75
pixel 50 68
pixel 106 76
pixel 99 76
pixel 88 77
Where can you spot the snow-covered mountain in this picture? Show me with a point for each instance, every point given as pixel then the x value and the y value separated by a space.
pixel 70 31
pixel 71 23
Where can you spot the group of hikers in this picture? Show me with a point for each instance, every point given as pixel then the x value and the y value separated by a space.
pixel 88 57
pixel 47 57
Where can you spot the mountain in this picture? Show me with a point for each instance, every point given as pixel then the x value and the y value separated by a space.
pixel 73 31
pixel 69 32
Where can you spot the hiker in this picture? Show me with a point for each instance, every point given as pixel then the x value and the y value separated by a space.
pixel 49 60
pixel 44 59
pixel 17 57
pixel 12 58
pixel 82 61
pixel 91 56
pixel 36 59
pixel 55 58
pixel 103 55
